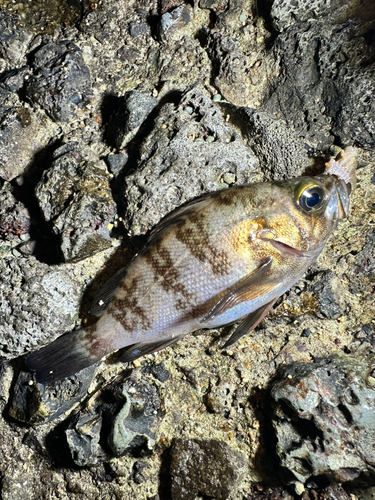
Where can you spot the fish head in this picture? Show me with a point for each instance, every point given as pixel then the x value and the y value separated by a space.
pixel 304 211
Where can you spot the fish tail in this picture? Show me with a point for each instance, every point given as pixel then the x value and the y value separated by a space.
pixel 66 356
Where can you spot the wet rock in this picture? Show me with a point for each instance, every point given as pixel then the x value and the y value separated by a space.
pixel 61 82
pixel 324 420
pixel 116 162
pixel 173 24
pixel 37 302
pixel 131 111
pixel 123 417
pixel 189 142
pixel 204 468
pixel 14 219
pixel 75 197
pixel 23 133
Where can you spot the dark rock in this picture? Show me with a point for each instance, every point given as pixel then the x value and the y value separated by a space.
pixel 158 371
pixel 116 162
pixel 328 293
pixel 124 417
pixel 204 468
pixel 197 147
pixel 139 29
pixel 75 197
pixel 61 80
pixel 324 420
pixel 34 403
pixel 131 111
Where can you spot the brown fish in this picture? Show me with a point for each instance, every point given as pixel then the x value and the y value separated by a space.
pixel 226 256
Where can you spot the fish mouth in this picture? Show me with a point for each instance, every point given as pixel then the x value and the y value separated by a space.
pixel 343 194
pixel 284 248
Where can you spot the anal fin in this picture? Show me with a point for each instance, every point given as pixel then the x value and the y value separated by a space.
pixel 249 323
pixel 135 351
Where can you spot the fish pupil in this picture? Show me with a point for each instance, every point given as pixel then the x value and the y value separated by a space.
pixel 313 199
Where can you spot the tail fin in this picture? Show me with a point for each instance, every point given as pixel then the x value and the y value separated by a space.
pixel 65 356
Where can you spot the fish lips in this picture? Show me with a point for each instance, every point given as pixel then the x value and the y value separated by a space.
pixel 343 194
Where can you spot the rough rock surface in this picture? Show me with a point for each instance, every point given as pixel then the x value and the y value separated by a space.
pixel 215 93
pixel 75 197
pixel 324 420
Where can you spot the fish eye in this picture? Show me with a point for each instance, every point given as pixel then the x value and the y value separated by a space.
pixel 311 198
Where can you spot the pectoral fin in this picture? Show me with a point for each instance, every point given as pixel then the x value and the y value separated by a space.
pixel 249 323
pixel 253 286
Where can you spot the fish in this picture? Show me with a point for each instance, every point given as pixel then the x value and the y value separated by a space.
pixel 221 258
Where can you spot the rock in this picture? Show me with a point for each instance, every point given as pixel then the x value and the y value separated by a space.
pixel 13 41
pixel 61 82
pixel 324 420
pixel 34 403
pixel 232 69
pixel 75 197
pixel 190 142
pixel 124 417
pixel 37 302
pixel 131 111
pixel 173 24
pixel 328 293
pixel 14 219
pixel 282 154
pixel 24 132
pixel 204 468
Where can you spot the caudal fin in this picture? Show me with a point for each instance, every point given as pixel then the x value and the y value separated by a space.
pixel 65 356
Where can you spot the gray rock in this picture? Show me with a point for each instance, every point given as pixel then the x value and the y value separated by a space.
pixel 14 219
pixel 61 80
pixel 131 111
pixel 37 302
pixel 186 155
pixel 282 154
pixel 13 41
pixel 324 420
pixel 173 24
pixel 24 132
pixel 319 92
pixel 232 70
pixel 204 468
pixel 75 197
pixel 328 293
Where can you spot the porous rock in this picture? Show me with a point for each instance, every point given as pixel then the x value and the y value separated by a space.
pixel 187 154
pixel 13 41
pixel 36 301
pixel 61 81
pixel 324 420
pixel 204 468
pixel 14 219
pixel 75 197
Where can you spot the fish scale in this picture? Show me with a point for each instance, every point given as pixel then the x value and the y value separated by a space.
pixel 224 257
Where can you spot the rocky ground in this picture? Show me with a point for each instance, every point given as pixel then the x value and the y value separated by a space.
pixel 113 113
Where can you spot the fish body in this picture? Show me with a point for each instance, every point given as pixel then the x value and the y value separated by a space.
pixel 226 256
